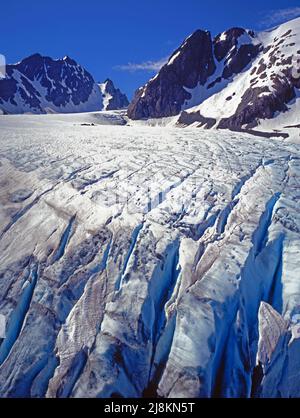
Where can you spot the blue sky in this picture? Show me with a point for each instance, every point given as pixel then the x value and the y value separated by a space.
pixel 108 37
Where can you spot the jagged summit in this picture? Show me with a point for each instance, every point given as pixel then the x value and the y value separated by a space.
pixel 165 94
pixel 236 79
pixel 69 60
pixel 40 84
pixel 112 97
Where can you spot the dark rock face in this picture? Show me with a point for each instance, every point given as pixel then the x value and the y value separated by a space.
pixel 224 42
pixel 240 59
pixel 8 88
pixel 116 99
pixel 257 105
pixel 164 94
pixel 237 57
pixel 194 62
pixel 270 76
pixel 39 83
pixel 262 102
pixel 236 49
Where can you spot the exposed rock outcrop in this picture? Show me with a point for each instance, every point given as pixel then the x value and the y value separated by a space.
pixel 247 77
pixel 165 94
pixel 113 98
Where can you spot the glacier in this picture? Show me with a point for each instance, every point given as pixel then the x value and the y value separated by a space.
pixel 140 260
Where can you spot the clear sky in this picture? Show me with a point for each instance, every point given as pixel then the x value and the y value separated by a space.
pixel 106 36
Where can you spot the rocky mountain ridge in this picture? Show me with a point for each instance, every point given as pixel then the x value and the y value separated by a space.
pixel 39 84
pixel 234 80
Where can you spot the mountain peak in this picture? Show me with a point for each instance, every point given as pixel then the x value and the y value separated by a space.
pixel 39 84
pixel 112 98
pixel 235 79
pixel 69 60
pixel 109 83
pixel 32 58
pixel 191 64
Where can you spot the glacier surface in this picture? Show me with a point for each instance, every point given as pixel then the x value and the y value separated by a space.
pixel 147 261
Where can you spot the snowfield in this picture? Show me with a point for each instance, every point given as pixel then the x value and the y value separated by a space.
pixel 134 260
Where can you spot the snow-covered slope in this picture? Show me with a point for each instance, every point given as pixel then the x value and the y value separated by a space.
pixel 144 261
pixel 288 121
pixel 264 89
pixel 42 85
pixel 232 81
